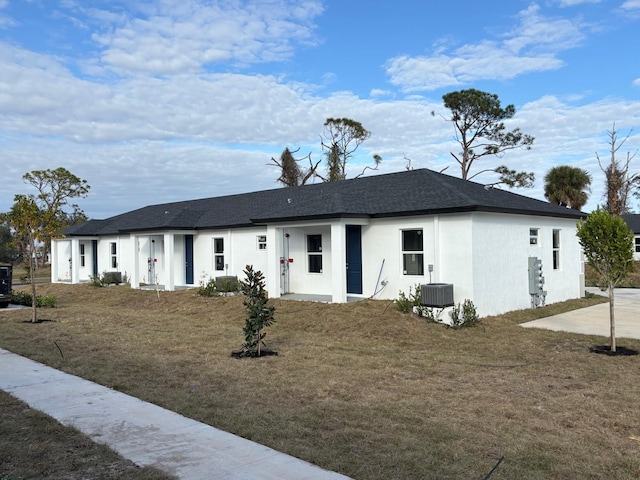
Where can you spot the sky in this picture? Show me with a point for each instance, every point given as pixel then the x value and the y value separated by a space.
pixel 167 100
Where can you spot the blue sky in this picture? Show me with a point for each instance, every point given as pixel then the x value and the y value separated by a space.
pixel 165 100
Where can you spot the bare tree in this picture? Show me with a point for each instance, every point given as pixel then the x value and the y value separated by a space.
pixel 291 175
pixel 619 182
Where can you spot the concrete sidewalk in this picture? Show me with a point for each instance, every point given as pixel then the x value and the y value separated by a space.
pixel 147 434
pixel 595 320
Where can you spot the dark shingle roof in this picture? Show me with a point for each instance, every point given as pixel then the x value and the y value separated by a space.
pixel 633 222
pixel 415 192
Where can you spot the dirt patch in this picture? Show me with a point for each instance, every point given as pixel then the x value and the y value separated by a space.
pixel 606 350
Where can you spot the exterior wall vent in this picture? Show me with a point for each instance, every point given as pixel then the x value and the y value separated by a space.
pixel 438 295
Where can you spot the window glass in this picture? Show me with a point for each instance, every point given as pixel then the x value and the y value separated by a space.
pixel 218 250
pixel 533 236
pixel 556 249
pixel 314 253
pixel 114 257
pixel 412 240
pixel 412 256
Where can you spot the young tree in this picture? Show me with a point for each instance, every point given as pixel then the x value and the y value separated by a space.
pixel 260 313
pixel 341 139
pixel 291 175
pixel 25 218
pixel 567 186
pixel 608 246
pixel 55 189
pixel 618 181
pixel 479 129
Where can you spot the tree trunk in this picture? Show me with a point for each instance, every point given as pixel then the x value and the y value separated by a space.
pixel 612 319
pixel 34 316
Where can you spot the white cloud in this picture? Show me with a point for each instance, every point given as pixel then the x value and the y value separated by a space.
pixel 531 47
pixel 572 3
pixel 175 36
pixel 631 5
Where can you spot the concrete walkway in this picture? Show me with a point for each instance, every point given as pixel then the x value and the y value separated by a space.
pixel 147 434
pixel 595 320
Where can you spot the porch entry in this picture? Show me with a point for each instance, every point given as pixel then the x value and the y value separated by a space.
pixel 354 259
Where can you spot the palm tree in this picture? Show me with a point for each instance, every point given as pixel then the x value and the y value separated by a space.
pixel 567 186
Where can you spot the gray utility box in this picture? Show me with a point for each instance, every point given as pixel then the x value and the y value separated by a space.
pixel 6 271
pixel 437 295
pixel 227 284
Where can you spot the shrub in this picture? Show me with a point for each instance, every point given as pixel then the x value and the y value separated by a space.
pixel 108 278
pixel 405 303
pixel 24 298
pixel 260 313
pixel 209 289
pixel 465 316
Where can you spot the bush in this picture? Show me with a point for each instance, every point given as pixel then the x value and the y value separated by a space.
pixel 209 289
pixel 24 298
pixel 405 303
pixel 465 316
pixel 108 278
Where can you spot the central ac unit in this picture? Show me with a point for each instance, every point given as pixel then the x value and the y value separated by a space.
pixel 438 295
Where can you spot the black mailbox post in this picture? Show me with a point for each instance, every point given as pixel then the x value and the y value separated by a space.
pixel 6 270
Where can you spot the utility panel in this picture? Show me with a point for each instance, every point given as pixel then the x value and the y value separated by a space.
pixel 536 282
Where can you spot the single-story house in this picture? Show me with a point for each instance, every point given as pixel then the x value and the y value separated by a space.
pixel 633 223
pixel 369 237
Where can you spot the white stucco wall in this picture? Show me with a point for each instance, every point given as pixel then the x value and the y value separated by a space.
pixel 501 249
pixel 483 255
pixel 382 241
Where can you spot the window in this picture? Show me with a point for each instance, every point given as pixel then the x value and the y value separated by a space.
pixel 114 255
pixel 82 254
pixel 556 249
pixel 637 244
pixel 412 256
pixel 533 236
pixel 262 242
pixel 218 253
pixel 314 253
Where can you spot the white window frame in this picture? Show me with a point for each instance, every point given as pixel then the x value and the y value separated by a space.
pixel 113 249
pixel 218 254
pixel 534 236
pixel 555 247
pixel 415 256
pixel 314 253
pixel 82 256
pixel 261 243
pixel 636 243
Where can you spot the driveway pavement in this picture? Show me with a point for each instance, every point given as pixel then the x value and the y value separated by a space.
pixel 595 320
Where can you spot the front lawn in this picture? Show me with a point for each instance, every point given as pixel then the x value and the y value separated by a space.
pixel 358 388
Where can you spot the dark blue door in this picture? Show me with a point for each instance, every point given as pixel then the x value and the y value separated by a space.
pixel 188 259
pixel 94 256
pixel 354 259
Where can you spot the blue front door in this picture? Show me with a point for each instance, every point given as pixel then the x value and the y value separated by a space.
pixel 354 259
pixel 188 258
pixel 94 256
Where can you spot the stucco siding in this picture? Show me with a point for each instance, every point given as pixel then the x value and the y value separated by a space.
pixel 455 259
pixel 501 246
pixel 382 240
